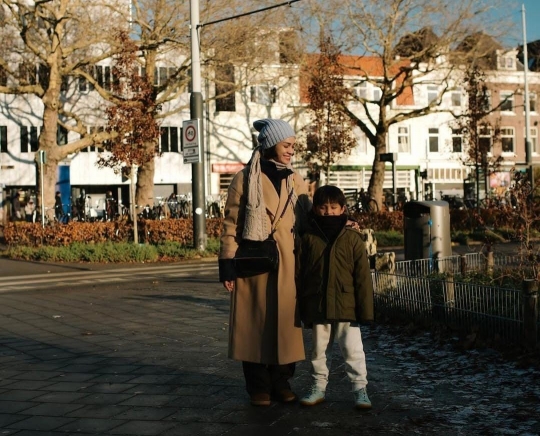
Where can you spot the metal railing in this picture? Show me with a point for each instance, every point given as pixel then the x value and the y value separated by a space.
pixel 495 312
pixel 460 264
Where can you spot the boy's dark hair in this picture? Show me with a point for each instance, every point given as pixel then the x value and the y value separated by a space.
pixel 329 194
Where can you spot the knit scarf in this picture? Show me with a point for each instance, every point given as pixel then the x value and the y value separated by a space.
pixel 255 222
pixel 330 226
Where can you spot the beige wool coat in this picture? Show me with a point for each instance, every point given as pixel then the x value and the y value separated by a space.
pixel 264 324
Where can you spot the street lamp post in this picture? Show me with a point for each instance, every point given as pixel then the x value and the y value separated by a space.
pixel 528 144
pixel 196 113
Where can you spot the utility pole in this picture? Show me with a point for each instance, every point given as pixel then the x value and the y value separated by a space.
pixel 528 144
pixel 196 113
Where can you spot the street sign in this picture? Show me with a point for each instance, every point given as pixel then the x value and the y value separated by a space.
pixel 42 156
pixel 192 141
pixel 388 157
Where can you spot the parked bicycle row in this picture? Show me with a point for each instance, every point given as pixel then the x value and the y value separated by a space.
pixel 84 209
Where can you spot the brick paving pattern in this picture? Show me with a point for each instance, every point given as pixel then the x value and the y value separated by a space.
pixel 150 358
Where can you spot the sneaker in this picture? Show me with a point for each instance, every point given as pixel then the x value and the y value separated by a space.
pixel 315 396
pixel 361 399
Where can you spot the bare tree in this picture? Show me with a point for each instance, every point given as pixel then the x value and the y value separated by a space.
pixel 52 43
pixel 406 44
pixel 56 46
pixel 159 27
pixel 329 133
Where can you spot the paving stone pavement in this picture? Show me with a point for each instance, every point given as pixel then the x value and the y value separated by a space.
pixel 150 358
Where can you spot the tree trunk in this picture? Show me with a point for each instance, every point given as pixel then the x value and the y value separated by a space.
pixel 48 135
pixel 47 143
pixel 145 184
pixel 376 182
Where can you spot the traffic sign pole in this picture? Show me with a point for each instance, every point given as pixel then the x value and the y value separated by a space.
pixel 196 113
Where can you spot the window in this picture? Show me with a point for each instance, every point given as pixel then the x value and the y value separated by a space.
pixel 28 73
pixel 533 138
pixel 43 73
pixel 432 93
pixel 507 102
pixel 506 62
pixel 262 94
pixel 457 141
pixel 377 93
pixel 84 85
pixel 92 130
pixel 456 97
pixel 29 139
pixel 102 74
pixel 3 139
pixel 532 102
pixel 61 135
pixel 403 140
pixel 361 147
pixel 225 96
pixel 169 140
pixel 163 74
pixel 64 87
pixel 360 91
pixel 433 134
pixel 3 77
pixel 288 51
pixel 507 139
pixel 485 140
pixel 485 102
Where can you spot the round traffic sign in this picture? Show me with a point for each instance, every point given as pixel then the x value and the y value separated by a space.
pixel 190 133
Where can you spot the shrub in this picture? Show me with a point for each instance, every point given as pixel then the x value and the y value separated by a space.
pixel 150 231
pixel 110 252
pixel 389 239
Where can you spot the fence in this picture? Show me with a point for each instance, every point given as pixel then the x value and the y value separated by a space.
pixel 409 293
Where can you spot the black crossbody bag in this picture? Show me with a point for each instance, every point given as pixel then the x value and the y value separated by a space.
pixel 259 257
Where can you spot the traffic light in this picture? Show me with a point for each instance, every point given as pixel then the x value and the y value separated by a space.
pixel 423 174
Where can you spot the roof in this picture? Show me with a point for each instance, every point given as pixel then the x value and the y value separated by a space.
pixel 357 66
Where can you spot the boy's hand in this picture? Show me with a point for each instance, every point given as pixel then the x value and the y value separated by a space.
pixel 229 285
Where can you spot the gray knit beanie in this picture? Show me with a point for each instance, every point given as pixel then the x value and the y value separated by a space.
pixel 272 131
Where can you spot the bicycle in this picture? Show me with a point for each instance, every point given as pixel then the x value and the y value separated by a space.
pixel 184 206
pixel 161 209
pixel 213 209
pixel 364 204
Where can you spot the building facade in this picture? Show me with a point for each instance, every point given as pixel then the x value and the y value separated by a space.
pixel 431 145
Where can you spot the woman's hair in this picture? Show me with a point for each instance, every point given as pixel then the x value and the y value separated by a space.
pixel 329 194
pixel 269 153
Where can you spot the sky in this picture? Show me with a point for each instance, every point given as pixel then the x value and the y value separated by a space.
pixel 532 15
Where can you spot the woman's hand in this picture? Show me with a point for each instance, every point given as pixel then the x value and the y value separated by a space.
pixel 229 285
pixel 353 224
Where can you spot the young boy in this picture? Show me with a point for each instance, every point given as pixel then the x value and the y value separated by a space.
pixel 335 292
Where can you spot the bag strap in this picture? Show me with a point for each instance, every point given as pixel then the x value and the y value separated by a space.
pixel 282 212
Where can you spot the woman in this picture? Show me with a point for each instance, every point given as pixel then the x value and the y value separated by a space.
pixel 265 333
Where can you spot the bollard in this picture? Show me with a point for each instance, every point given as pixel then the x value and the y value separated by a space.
pixel 463 264
pixel 529 302
pixel 490 262
pixel 450 298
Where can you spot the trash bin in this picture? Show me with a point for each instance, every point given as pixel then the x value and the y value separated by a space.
pixel 426 230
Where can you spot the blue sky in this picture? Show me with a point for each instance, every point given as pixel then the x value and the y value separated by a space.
pixel 532 13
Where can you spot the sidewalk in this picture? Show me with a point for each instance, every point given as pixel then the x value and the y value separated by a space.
pixel 150 358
